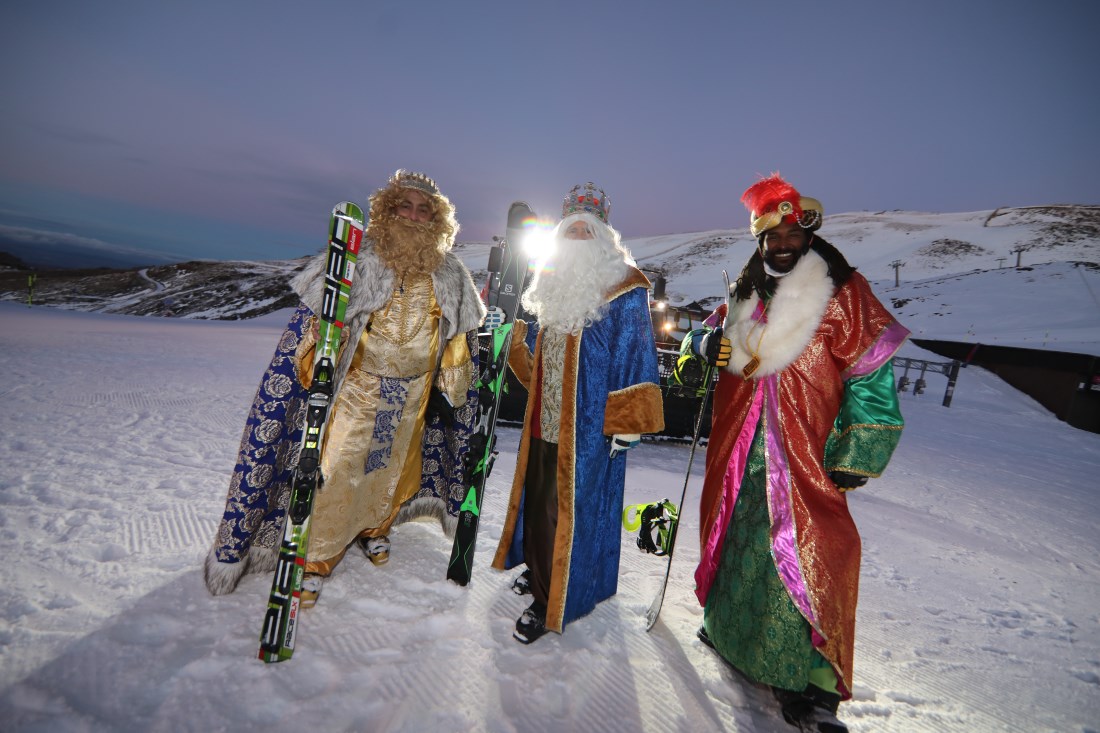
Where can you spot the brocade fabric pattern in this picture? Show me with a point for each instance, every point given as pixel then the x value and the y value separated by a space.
pixel 259 488
pixel 821 394
pixel 749 614
pixel 251 528
pixel 553 364
pixel 612 361
pixel 372 457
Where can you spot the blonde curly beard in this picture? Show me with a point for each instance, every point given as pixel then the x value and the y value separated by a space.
pixel 409 247
pixel 406 246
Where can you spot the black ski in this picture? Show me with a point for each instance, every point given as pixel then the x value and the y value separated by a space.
pixel 655 607
pixel 507 270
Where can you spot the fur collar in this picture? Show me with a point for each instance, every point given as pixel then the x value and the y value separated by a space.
pixel 372 287
pixel 633 279
pixel 794 315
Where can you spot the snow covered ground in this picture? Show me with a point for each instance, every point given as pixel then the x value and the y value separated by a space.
pixel 979 608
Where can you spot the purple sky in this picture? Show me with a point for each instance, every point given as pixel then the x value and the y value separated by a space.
pixel 227 130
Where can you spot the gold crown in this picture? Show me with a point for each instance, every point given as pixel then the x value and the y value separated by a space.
pixel 419 181
pixel 587 199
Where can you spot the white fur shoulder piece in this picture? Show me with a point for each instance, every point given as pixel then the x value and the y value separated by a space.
pixel 793 318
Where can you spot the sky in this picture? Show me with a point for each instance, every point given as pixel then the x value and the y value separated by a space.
pixel 169 131
pixel 979 585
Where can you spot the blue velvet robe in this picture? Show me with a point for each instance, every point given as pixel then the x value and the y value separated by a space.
pixel 611 386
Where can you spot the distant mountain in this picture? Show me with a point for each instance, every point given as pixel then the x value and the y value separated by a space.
pixel 74 252
pixel 10 261
pixel 922 245
pixel 975 276
pixel 209 290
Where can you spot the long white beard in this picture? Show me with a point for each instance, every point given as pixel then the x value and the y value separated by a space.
pixel 569 291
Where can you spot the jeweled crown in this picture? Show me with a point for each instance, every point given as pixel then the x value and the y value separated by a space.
pixel 419 181
pixel 587 199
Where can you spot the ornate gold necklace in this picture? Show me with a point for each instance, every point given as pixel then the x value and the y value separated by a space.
pixel 406 312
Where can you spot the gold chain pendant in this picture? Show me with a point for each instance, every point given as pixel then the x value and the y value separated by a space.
pixel 750 368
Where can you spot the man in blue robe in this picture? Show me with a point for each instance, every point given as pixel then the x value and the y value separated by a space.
pixel 590 368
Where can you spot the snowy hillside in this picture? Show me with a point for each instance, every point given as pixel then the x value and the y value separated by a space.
pixel 1052 306
pixel 978 605
pixel 946 260
pixel 928 246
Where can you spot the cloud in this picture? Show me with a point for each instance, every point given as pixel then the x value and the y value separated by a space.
pixel 80 136
pixel 44 247
pixel 27 236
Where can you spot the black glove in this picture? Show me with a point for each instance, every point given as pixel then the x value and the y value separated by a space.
pixel 845 480
pixel 717 349
pixel 440 406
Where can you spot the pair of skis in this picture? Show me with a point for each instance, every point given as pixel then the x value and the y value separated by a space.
pixel 507 270
pixel 508 267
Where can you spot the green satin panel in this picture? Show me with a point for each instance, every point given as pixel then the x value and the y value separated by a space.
pixel 749 615
pixel 868 427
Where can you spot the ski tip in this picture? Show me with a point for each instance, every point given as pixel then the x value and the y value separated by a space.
pixel 519 214
pixel 349 211
pixel 654 610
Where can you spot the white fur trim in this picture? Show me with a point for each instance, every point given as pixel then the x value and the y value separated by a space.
pixel 223 577
pixel 372 287
pixel 426 507
pixel 793 318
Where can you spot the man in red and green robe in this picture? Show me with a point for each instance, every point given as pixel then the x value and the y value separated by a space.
pixel 804 410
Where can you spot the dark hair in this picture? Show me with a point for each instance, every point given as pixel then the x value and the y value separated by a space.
pixel 755 278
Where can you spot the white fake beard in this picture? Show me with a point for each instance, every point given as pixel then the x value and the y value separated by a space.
pixel 569 291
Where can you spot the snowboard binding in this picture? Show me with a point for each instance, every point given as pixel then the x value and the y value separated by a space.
pixel 661 516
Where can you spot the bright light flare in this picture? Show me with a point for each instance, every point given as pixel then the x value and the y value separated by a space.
pixel 538 238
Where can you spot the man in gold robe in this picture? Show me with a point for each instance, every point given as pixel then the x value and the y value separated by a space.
pixel 403 408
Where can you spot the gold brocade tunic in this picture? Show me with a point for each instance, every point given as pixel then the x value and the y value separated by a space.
pixel 553 377
pixel 372 457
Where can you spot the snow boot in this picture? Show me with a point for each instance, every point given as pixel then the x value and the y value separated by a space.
pixel 704 636
pixel 521 586
pixel 813 710
pixel 377 549
pixel 311 590
pixel 531 625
